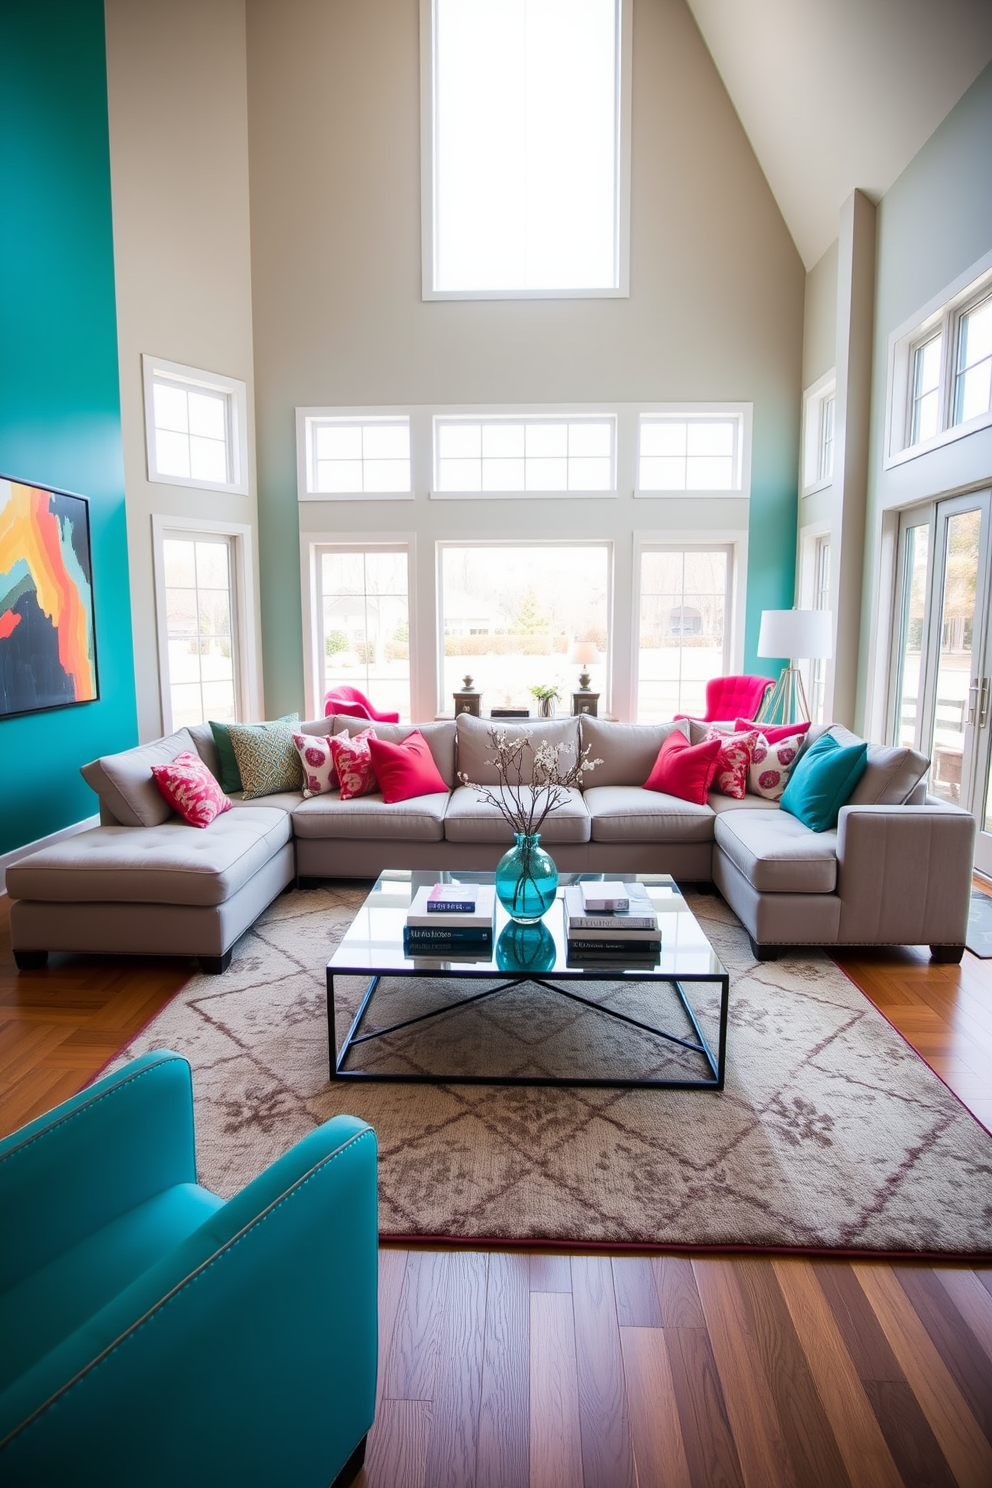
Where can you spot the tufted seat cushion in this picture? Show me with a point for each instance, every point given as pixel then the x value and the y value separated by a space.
pixel 471 819
pixel 628 813
pixel 776 853
pixel 368 818
pixel 173 863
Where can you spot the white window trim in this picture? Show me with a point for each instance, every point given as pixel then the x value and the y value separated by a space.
pixel 731 538
pixel 575 415
pixel 310 545
pixel 627 416
pixel 248 686
pixel 943 313
pixel 528 542
pixel 815 396
pixel 237 397
pixel 427 175
pixel 743 412
pixel 304 418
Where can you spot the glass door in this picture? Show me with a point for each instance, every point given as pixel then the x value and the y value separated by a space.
pixel 943 674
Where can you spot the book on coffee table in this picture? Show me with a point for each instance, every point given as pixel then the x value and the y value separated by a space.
pixel 452 898
pixel 423 940
pixel 599 896
pixel 479 918
pixel 641 915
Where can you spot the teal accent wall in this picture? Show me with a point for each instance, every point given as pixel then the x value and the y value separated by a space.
pixel 59 392
pixel 772 519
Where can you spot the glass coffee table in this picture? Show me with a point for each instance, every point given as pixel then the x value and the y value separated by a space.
pixel 534 956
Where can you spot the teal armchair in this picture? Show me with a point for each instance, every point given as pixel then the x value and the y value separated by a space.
pixel 151 1333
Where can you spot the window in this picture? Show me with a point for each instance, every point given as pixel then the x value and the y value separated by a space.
pixel 940 384
pixel 198 608
pixel 350 455
pixel 680 452
pixel 507 455
pixel 509 613
pixel 526 147
pixel 195 427
pixel 683 630
pixel 819 403
pixel 364 608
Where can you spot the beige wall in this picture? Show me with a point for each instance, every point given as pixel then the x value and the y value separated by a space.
pixel 715 309
pixel 179 171
pixel 820 318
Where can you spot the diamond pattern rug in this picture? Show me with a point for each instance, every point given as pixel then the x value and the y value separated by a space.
pixel 830 1135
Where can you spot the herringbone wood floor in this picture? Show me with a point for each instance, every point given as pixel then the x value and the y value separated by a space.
pixel 591 1371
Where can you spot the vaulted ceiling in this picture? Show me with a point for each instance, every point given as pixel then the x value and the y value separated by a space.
pixel 838 94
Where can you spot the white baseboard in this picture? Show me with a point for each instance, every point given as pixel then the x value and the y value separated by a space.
pixel 7 859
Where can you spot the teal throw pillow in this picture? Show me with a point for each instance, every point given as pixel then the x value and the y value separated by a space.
pixel 230 775
pixel 823 780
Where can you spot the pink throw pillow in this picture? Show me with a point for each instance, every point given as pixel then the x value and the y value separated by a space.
pixel 772 731
pixel 683 769
pixel 406 769
pixel 353 762
pixel 772 764
pixel 733 761
pixel 190 789
pixel 319 774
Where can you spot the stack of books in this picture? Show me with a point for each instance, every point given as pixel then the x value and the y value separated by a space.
pixel 610 920
pixel 451 920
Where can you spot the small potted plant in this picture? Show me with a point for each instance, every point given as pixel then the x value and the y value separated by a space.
pixel 546 699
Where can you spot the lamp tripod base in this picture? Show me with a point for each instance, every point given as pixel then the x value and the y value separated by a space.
pixel 786 703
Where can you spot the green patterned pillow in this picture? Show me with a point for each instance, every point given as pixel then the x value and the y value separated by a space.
pixel 230 778
pixel 267 758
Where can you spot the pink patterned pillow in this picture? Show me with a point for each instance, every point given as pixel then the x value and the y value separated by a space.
pixel 733 761
pixel 353 762
pixel 319 774
pixel 190 789
pixel 772 764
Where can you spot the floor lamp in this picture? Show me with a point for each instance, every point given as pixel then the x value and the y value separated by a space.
pixel 802 635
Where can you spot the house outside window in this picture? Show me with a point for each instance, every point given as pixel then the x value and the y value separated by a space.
pixel 683 627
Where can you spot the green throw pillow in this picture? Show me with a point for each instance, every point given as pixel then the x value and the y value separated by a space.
pixel 268 760
pixel 230 775
pixel 823 780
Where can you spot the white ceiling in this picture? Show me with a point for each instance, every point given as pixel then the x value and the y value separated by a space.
pixel 838 94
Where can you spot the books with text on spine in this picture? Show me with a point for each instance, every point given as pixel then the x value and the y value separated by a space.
pixel 640 916
pixel 452 898
pixel 451 945
pixel 480 918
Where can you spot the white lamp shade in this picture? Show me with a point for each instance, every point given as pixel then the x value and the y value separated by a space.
pixel 583 653
pixel 800 635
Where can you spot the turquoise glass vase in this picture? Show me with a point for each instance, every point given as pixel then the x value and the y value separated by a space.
pixel 528 948
pixel 526 879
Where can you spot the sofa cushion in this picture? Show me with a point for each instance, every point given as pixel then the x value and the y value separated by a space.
pixel 267 758
pixel 471 819
pixel 191 790
pixel 405 770
pixel 776 853
pixel 476 762
pixel 629 813
pixel 685 770
pixel 628 750
pixel 230 770
pixel 440 738
pixel 822 781
pixel 125 784
pixel 171 863
pixel 353 762
pixel 892 772
pixel 420 819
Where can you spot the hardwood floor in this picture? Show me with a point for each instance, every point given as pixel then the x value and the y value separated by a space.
pixel 593 1371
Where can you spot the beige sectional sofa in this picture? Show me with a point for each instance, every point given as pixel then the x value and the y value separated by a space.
pixel 896 870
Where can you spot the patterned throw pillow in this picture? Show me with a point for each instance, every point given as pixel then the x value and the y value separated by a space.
pixel 733 761
pixel 230 776
pixel 771 765
pixel 317 761
pixel 353 762
pixel 267 758
pixel 190 789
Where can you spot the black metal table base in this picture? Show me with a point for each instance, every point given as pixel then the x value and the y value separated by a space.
pixel 700 1046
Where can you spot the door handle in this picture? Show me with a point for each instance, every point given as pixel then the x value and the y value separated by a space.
pixel 973 692
pixel 983 710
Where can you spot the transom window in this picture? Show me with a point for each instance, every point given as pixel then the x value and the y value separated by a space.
pixel 688 453
pixel 194 427
pixel 358 456
pixel 973 378
pixel 524 454
pixel 925 419
pixel 525 143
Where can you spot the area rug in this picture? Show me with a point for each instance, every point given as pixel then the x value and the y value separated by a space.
pixel 979 936
pixel 831 1134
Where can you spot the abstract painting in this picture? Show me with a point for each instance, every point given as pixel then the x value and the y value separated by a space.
pixel 47 629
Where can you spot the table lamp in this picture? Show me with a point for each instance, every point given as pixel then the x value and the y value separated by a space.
pixel 584 654
pixel 802 635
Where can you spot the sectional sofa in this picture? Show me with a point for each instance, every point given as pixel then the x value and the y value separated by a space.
pixel 896 870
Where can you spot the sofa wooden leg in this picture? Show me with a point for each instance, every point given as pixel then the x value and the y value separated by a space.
pixel 214 965
pixel 352 1467
pixel 763 952
pixel 30 960
pixel 949 954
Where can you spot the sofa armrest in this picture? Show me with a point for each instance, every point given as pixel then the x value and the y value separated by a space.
pixel 122 1140
pixel 904 874
pixel 257 1333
